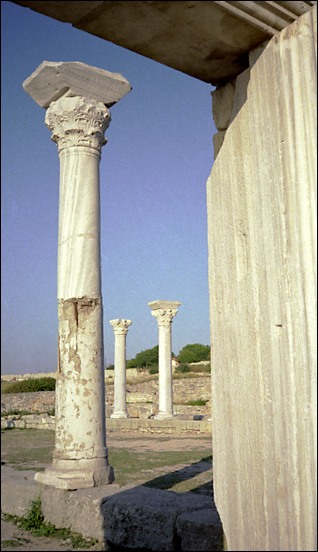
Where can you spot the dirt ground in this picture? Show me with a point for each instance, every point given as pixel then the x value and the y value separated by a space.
pixel 15 539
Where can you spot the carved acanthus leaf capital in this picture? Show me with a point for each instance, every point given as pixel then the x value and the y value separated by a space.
pixel 120 326
pixel 164 316
pixel 78 121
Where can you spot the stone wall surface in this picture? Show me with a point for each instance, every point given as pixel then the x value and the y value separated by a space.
pixel 43 401
pixel 109 375
pixel 262 277
pixel 142 398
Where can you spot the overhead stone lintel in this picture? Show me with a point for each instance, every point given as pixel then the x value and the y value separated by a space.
pixel 52 80
pixel 206 40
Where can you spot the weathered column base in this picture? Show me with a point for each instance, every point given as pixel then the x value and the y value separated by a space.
pixel 119 414
pixel 73 479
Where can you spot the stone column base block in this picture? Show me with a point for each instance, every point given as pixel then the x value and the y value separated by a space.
pixel 119 414
pixel 163 415
pixel 70 480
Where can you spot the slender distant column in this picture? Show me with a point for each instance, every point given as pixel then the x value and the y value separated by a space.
pixel 165 311
pixel 120 327
pixel 75 95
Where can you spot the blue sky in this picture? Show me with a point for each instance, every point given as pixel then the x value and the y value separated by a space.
pixel 153 176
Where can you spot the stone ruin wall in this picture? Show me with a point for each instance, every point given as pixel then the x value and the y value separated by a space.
pixel 142 398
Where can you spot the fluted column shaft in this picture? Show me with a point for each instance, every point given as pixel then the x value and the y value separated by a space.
pixel 76 96
pixel 80 456
pixel 120 327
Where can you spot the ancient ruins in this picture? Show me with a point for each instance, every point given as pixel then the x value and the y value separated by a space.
pixel 261 59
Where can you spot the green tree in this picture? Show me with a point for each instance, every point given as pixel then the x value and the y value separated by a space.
pixel 144 359
pixel 194 353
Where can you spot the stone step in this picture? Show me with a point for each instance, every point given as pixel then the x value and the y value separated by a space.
pixel 128 517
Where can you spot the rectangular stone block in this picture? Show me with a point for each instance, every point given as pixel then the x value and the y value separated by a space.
pixel 18 490
pixel 145 518
pixel 51 80
pixel 200 531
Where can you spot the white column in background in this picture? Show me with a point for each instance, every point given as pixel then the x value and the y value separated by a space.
pixel 164 312
pixel 120 327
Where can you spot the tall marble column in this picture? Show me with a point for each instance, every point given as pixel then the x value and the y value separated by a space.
pixel 165 311
pixel 76 98
pixel 120 327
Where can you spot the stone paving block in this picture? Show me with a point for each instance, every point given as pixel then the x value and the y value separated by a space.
pixel 193 424
pixel 133 517
pixel 80 511
pixel 18 489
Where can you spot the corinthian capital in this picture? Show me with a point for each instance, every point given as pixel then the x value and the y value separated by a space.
pixel 164 316
pixel 78 121
pixel 164 311
pixel 120 326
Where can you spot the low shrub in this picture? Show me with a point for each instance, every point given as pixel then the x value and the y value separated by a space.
pixel 31 385
pixel 199 402
pixel 194 353
pixel 154 369
pixel 205 368
pixel 15 412
pixel 182 369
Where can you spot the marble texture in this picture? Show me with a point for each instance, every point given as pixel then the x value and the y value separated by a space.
pixel 78 120
pixel 51 80
pixel 262 197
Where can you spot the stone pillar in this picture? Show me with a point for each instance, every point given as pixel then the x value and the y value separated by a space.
pixel 120 328
pixel 262 237
pixel 164 311
pixel 76 97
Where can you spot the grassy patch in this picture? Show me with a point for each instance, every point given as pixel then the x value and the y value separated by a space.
pixel 41 455
pixel 13 543
pixel 5 385
pixel 201 368
pixel 16 413
pixel 199 402
pixel 19 413
pixel 185 478
pixel 27 446
pixel 34 522
pixel 30 386
pixel 32 448
pixel 131 466
pixel 142 379
pixel 188 375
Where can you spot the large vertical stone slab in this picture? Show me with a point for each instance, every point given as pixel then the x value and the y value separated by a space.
pixel 262 278
pixel 75 95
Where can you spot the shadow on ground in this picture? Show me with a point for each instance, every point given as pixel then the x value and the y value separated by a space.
pixel 172 511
